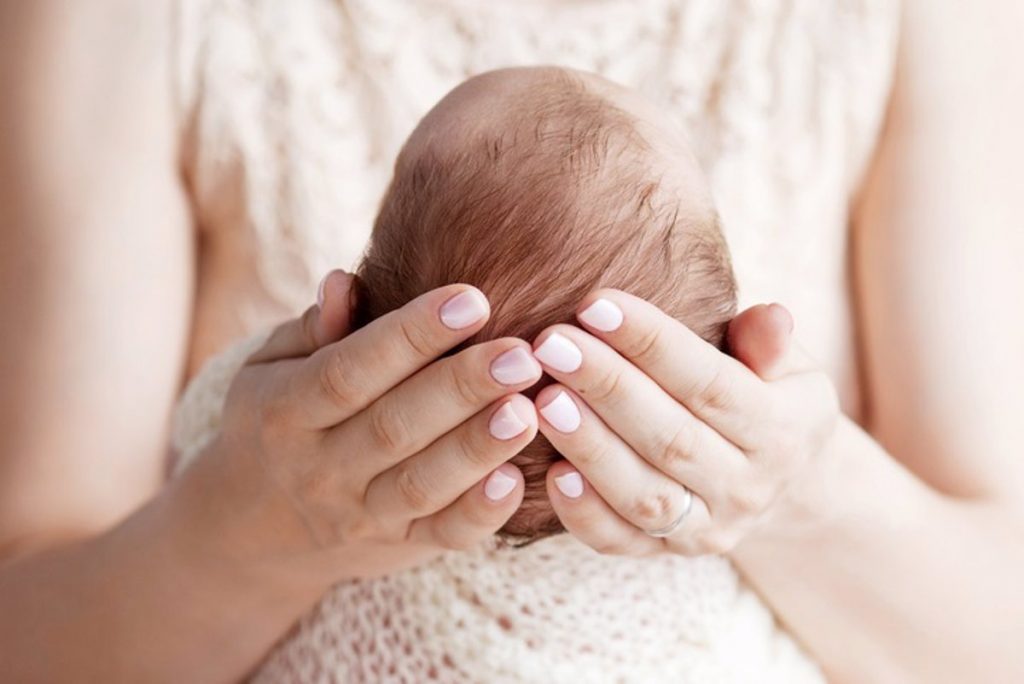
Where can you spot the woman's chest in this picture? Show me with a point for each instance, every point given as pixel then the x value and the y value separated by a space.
pixel 302 112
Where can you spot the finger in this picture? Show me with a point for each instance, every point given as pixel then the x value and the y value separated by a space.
pixel 762 338
pixel 345 377
pixel 636 490
pixel 634 406
pixel 759 337
pixel 431 403
pixel 475 515
pixel 590 519
pixel 325 322
pixel 435 477
pixel 714 386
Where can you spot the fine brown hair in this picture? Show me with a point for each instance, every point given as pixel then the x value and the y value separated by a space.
pixel 556 198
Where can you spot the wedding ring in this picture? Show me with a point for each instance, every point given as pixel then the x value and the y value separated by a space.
pixel 671 527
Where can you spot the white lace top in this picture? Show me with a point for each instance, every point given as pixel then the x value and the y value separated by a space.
pixel 292 112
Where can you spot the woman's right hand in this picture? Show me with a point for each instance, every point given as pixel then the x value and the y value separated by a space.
pixel 367 455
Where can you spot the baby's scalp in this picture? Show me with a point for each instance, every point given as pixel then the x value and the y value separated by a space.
pixel 537 186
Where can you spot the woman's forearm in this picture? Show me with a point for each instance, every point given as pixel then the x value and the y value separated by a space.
pixel 885 580
pixel 142 602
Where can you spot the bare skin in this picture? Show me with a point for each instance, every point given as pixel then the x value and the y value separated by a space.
pixel 130 589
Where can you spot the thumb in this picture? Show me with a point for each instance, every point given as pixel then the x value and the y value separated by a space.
pixel 327 321
pixel 761 338
pixel 336 301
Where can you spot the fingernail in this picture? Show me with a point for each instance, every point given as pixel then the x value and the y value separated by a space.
pixel 602 315
pixel 320 291
pixel 570 484
pixel 559 353
pixel 506 423
pixel 515 366
pixel 464 309
pixel 499 485
pixel 562 413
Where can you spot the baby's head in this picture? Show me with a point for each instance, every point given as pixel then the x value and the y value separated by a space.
pixel 538 185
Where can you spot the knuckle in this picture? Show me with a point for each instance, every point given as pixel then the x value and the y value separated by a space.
pixel 389 432
pixel 339 384
pixel 717 394
pixel 680 449
pixel 645 346
pixel 412 490
pixel 358 528
pixel 747 500
pixel 605 389
pixel 463 384
pixel 652 511
pixel 475 450
pixel 416 338
pixel 316 488
pixel 590 456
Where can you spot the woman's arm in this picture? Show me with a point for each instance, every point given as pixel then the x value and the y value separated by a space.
pixel 96 275
pixel 919 580
pixel 939 254
pixel 96 266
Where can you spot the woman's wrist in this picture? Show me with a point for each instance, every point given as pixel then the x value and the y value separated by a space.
pixel 854 485
pixel 810 503
pixel 148 597
pixel 229 528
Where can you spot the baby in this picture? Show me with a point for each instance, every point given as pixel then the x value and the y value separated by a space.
pixel 538 185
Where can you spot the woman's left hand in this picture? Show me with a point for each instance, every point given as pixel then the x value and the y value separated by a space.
pixel 645 410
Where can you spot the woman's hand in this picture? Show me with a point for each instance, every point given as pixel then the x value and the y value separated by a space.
pixel 644 409
pixel 367 455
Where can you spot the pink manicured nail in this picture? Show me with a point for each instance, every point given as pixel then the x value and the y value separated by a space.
pixel 515 366
pixel 602 315
pixel 570 484
pixel 320 291
pixel 559 353
pixel 464 309
pixel 562 413
pixel 506 423
pixel 499 485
